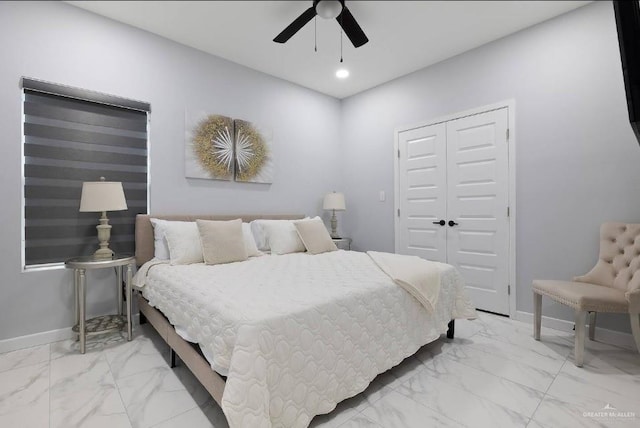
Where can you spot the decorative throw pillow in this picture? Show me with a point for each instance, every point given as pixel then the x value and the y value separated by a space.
pixel 222 241
pixel 184 242
pixel 160 245
pixel 282 237
pixel 314 236
pixel 249 242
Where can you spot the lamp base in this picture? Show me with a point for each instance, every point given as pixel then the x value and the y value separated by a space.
pixel 334 226
pixel 104 234
pixel 103 253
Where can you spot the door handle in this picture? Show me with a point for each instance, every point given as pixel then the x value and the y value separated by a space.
pixel 452 223
pixel 441 222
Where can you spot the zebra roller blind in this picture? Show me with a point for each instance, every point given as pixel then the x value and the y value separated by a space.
pixel 71 136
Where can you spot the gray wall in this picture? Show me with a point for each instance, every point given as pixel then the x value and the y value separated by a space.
pixel 60 43
pixel 578 163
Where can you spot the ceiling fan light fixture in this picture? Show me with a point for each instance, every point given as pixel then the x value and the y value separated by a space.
pixel 329 9
pixel 342 73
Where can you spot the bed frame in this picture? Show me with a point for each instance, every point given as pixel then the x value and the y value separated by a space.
pixel 190 353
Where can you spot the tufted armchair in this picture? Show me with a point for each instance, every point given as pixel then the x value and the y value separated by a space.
pixel 613 285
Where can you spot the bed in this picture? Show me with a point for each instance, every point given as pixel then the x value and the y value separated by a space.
pixel 277 340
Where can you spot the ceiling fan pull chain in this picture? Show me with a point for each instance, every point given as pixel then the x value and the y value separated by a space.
pixel 315 32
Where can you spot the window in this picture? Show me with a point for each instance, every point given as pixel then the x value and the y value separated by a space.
pixel 71 136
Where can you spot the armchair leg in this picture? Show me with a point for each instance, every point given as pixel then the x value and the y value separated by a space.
pixel 635 328
pixel 581 320
pixel 592 325
pixel 537 315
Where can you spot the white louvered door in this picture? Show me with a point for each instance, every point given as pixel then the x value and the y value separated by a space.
pixel 458 171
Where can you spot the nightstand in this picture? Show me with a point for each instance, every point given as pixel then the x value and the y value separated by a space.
pixel 342 243
pixel 104 323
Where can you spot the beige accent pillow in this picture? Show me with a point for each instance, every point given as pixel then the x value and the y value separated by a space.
pixel 314 236
pixel 222 241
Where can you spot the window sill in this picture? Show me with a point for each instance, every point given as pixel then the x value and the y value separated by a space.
pixel 43 267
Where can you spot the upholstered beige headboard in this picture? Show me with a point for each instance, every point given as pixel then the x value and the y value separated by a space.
pixel 144 229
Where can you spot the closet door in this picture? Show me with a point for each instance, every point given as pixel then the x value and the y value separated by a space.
pixel 422 188
pixel 477 201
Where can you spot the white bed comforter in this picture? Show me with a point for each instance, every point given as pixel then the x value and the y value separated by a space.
pixel 296 334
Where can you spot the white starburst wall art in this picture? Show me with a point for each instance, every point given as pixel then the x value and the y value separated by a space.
pixel 254 153
pixel 220 148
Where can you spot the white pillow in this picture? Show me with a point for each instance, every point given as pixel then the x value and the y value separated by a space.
pixel 222 241
pixel 314 236
pixel 160 245
pixel 260 233
pixel 249 242
pixel 184 242
pixel 283 238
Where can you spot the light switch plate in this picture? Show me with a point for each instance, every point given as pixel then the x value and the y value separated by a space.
pixel 383 197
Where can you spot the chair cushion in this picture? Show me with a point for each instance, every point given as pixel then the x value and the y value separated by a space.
pixel 583 296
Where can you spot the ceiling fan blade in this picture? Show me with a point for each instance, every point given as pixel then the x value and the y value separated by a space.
pixel 351 28
pixel 296 25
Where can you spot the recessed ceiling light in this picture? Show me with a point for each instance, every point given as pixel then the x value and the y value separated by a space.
pixel 343 73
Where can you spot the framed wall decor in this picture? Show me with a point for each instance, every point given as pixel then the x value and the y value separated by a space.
pixel 221 148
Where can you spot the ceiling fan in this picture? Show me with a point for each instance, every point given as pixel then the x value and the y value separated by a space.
pixel 327 9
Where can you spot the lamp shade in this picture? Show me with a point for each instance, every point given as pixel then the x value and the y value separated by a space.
pixel 99 196
pixel 334 201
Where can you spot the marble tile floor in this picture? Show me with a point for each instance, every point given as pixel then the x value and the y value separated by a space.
pixel 493 374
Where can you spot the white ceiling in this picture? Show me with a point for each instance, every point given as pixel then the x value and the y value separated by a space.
pixel 404 36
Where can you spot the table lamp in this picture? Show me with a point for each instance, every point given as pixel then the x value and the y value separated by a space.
pixel 335 202
pixel 102 196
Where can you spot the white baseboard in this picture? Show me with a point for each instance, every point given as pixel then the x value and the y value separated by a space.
pixel 36 339
pixel 612 337
pixel 602 334
pixel 43 338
